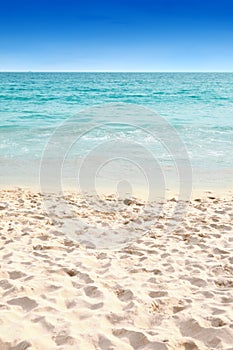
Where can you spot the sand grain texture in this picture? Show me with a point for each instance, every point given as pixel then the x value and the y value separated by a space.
pixel 161 290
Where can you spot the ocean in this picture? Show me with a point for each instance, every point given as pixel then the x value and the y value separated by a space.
pixel 196 107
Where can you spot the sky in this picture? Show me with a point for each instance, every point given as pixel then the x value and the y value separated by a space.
pixel 123 35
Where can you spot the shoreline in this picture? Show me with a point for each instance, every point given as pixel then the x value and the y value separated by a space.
pixel 217 191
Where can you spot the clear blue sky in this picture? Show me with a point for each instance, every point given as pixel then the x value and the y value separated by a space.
pixel 116 35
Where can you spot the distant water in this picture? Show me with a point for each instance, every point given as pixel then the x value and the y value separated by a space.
pixel 198 106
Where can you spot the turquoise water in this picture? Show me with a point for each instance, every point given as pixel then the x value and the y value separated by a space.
pixel 199 106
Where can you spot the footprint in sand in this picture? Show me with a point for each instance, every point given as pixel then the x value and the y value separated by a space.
pixel 124 294
pixel 85 277
pixel 4 284
pixel 190 345
pixel 93 292
pixel 20 346
pixel 138 340
pixel 217 322
pixel 96 306
pixel 198 282
pixel 104 343
pixel 215 337
pixel 158 294
pixel 26 303
pixel 16 274
pixel 62 338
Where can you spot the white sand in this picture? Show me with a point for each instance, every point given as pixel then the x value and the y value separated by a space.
pixel 153 288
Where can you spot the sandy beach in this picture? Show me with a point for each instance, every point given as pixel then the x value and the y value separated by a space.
pixel 116 175
pixel 162 289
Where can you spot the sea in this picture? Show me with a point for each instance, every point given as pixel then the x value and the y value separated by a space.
pixel 121 130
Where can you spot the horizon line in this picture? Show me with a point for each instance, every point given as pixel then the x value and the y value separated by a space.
pixel 108 71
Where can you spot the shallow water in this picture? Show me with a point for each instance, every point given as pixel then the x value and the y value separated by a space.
pixel 198 106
